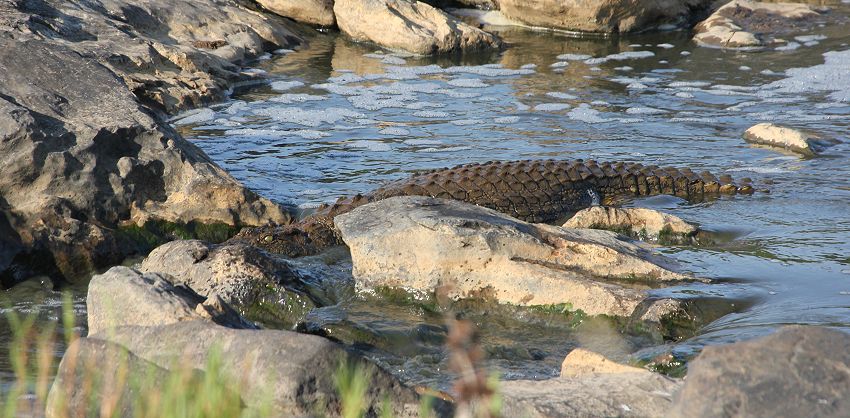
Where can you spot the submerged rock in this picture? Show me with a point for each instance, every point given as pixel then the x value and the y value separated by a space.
pixel 636 222
pixel 607 16
pixel 83 144
pixel 262 287
pixel 798 371
pixel 745 24
pixel 421 244
pixel 787 138
pixel 164 325
pixel 315 12
pixel 409 25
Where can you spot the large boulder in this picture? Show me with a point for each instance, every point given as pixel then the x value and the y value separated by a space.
pixel 83 145
pixel 314 12
pixel 606 16
pixel 745 24
pixel 409 25
pixel 260 286
pixel 636 222
pixel 172 328
pixel 795 372
pixel 787 138
pixel 421 244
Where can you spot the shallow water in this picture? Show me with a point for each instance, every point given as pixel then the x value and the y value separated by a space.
pixel 341 118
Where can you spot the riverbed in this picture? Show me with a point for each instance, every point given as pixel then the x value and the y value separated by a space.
pixel 338 118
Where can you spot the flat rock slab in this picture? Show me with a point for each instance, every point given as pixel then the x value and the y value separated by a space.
pixel 796 372
pixel 581 362
pixel 637 222
pixel 606 16
pixel 421 244
pixel 409 25
pixel 787 138
pixel 314 12
pixel 744 24
pixel 638 394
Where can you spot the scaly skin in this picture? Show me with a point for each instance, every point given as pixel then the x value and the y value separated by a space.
pixel 531 190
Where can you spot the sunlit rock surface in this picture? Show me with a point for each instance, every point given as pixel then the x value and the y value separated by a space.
pixel 316 12
pixel 750 24
pixel 636 222
pixel 787 138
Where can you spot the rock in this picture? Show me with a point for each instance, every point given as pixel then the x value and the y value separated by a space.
pixel 123 297
pixel 641 394
pixel 83 143
pixel 797 371
pixel 160 323
pixel 261 287
pixel 744 24
pixel 607 16
pixel 409 25
pixel 421 244
pixel 581 362
pixel 314 12
pixel 788 138
pixel 636 222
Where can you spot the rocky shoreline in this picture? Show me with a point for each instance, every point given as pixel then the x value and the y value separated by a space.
pixel 94 173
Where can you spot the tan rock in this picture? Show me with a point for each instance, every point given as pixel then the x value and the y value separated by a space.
pixel 788 138
pixel 408 25
pixel 315 12
pixel 581 362
pixel 608 16
pixel 744 24
pixel 639 222
pixel 421 244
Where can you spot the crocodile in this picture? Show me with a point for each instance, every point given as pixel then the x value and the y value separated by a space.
pixel 541 191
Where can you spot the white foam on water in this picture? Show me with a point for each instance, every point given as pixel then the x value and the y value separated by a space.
pixel 285 85
pixel 420 141
pixel 573 57
pixel 744 68
pixel 663 62
pixel 506 120
pixel 694 120
pixel 236 107
pixel 627 55
pixel 376 146
pixel 310 134
pixel 371 101
pixel 627 120
pixel 665 46
pixel 264 57
pixel 308 117
pixel 466 122
pixel 366 121
pixel 255 133
pixel 283 51
pixel 560 64
pixel 345 78
pixel 637 86
pixel 790 46
pixel 194 116
pixel 595 61
pixel 809 38
pixel 468 83
pixel 644 111
pixel 551 107
pixel 521 107
pixel 684 95
pixel 489 70
pixel 831 76
pixel 431 114
pixel 296 98
pixel 560 95
pixel 456 94
pixel 394 131
pixel 685 53
pixel 446 149
pixel 624 68
pixel 584 113
pixel 528 67
pixel 600 103
pixel 689 84
pixel 254 71
pixel 733 87
pixel 424 105
pixel 635 45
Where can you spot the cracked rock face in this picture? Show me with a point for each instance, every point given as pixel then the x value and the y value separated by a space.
pixel 744 24
pixel 83 145
pixel 422 244
pixel 409 25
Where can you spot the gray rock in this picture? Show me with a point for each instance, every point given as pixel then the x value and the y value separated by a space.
pixel 626 394
pixel 409 25
pixel 83 145
pixel 607 16
pixel 421 244
pixel 261 287
pixel 800 371
pixel 123 297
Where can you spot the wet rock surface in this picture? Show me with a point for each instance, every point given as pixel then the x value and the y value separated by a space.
pixel 607 16
pixel 83 142
pixel 160 323
pixel 636 222
pixel 787 138
pixel 410 26
pixel 421 244
pixel 750 24
pixel 797 371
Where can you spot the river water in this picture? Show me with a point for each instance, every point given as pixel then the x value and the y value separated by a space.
pixel 341 118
